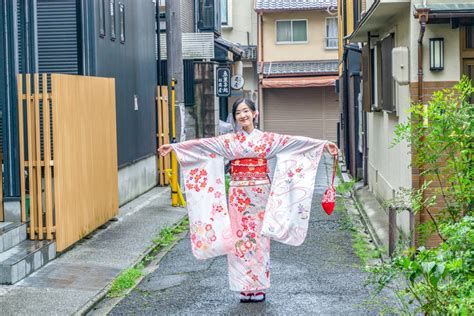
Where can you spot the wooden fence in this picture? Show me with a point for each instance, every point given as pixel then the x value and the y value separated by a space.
pixel 163 134
pixel 68 155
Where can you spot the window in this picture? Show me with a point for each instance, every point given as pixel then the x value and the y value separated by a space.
pixel 122 22
pixel 206 15
pixel 224 12
pixel 380 89
pixel 331 33
pixel 102 18
pixel 469 34
pixel 112 20
pixel 292 31
pixel 388 84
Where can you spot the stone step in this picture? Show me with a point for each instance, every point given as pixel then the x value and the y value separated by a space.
pixel 24 259
pixel 11 234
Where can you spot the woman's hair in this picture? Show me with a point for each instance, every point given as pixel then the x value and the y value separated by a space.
pixel 239 101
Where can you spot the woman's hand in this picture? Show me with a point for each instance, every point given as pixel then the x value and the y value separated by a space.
pixel 165 149
pixel 332 148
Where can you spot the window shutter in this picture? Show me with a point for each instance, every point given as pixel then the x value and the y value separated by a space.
pixel 387 79
pixel 378 78
pixel 58 48
pixel 366 79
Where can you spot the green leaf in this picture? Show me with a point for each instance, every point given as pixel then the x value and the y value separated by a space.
pixel 428 266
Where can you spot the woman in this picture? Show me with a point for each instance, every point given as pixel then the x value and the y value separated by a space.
pixel 262 203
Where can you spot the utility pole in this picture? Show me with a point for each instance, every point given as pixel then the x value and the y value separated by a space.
pixel 175 61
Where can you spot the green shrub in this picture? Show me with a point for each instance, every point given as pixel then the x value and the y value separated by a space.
pixel 438 281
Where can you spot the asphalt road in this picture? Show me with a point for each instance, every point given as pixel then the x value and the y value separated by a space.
pixel 320 277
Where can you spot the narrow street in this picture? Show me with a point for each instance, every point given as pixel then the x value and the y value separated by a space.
pixel 319 277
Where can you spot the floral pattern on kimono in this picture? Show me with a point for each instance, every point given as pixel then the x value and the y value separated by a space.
pixel 287 203
pixel 257 209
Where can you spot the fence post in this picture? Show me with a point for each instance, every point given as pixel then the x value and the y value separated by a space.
pixel 392 230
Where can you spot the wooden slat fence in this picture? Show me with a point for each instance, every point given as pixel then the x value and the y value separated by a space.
pixel 68 155
pixel 163 134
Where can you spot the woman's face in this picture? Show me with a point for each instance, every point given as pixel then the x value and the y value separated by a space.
pixel 244 116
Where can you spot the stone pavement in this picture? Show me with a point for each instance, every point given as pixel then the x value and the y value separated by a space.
pixel 319 277
pixel 79 276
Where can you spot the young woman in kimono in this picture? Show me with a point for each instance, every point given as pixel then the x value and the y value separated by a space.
pixel 272 181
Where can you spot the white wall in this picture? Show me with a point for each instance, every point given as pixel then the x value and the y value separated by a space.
pixel 243 30
pixel 451 70
pixel 244 19
pixel 389 168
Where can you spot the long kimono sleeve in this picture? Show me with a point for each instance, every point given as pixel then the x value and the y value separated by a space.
pixel 202 166
pixel 289 204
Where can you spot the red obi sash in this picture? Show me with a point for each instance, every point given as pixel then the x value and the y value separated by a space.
pixel 249 169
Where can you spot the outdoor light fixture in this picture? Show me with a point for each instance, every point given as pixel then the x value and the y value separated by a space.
pixel 436 54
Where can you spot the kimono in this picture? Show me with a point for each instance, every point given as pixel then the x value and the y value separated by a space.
pixel 269 197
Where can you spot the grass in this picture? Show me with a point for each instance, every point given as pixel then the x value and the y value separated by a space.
pixel 362 247
pixel 124 281
pixel 128 278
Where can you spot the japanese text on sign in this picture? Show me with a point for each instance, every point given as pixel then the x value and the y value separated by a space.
pixel 223 82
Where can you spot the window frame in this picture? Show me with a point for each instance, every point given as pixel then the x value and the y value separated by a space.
pixel 291 25
pixel 228 24
pixel 112 14
pixel 102 11
pixel 326 38
pixel 122 22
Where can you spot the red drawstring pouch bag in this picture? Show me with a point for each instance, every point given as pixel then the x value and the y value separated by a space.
pixel 329 197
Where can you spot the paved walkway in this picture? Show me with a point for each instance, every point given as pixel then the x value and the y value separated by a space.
pixel 79 276
pixel 319 277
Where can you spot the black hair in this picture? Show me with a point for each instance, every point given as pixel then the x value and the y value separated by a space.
pixel 247 102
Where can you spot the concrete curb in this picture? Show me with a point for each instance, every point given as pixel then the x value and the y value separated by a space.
pixel 152 266
pixel 364 218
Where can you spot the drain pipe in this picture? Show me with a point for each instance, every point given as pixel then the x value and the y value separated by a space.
pixel 422 15
pixel 423 19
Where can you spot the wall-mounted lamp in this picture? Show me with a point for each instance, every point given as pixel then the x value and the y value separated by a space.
pixel 436 54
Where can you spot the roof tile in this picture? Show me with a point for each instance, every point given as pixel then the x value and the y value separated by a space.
pixel 282 5
pixel 300 67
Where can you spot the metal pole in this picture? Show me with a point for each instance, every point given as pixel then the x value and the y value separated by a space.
pixel 174 161
pixel 175 59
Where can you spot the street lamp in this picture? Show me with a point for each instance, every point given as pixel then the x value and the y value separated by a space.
pixel 436 54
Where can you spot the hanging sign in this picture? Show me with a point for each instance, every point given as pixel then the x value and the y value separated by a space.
pixel 223 82
pixel 237 82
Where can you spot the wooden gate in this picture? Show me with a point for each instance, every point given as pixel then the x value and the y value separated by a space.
pixel 68 155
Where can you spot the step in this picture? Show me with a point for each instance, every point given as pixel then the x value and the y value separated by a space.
pixel 24 259
pixel 11 234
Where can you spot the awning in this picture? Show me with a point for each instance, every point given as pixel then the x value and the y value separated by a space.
pixel 377 16
pixel 299 82
pixel 453 13
pixel 229 46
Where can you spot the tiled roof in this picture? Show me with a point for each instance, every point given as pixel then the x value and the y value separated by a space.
pixel 283 5
pixel 313 67
pixel 230 46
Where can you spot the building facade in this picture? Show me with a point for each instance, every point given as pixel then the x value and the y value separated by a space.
pixel 394 38
pixel 298 66
pixel 239 25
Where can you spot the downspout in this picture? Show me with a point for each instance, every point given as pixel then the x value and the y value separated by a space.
pixel 260 65
pixel 423 19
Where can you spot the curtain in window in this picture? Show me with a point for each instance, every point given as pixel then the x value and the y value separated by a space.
pixel 283 31
pixel 299 31
pixel 331 33
pixel 224 12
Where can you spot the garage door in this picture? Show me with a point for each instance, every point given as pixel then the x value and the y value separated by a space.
pixel 312 112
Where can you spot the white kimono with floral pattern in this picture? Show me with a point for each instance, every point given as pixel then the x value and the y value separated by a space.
pixel 257 210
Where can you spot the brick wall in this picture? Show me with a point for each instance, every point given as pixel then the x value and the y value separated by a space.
pixel 417 180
